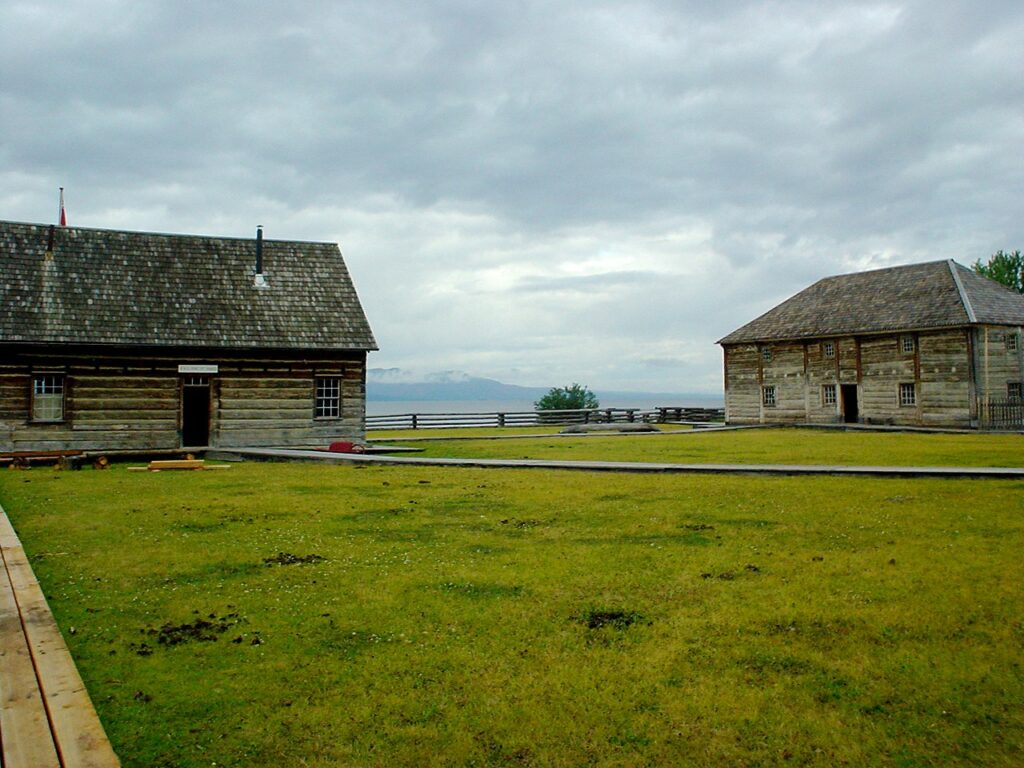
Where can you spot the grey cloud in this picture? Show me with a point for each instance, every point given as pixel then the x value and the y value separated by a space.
pixel 434 140
pixel 586 284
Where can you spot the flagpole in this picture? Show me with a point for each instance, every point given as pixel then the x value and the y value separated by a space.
pixel 62 217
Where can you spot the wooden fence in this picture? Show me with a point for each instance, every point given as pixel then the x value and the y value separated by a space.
pixel 1003 414
pixel 658 415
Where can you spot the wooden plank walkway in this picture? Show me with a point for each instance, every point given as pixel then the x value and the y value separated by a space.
pixel 46 717
pixel 288 454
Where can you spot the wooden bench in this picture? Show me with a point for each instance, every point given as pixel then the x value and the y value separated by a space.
pixel 46 716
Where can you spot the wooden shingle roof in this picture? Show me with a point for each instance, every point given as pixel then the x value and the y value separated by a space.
pixel 111 287
pixel 936 294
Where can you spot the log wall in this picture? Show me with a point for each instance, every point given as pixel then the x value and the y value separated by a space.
pixel 785 372
pixel 946 389
pixel 997 364
pixel 939 367
pixel 131 400
pixel 742 384
pixel 884 366
pixel 822 371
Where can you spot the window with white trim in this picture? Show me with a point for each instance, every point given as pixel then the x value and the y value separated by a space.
pixel 828 394
pixel 1012 342
pixel 828 349
pixel 48 397
pixel 907 343
pixel 328 397
pixel 766 354
pixel 768 396
pixel 908 395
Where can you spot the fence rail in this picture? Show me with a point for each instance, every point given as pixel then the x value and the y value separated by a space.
pixel 657 415
pixel 1003 414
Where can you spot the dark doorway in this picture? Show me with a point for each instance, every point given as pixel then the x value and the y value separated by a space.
pixel 850 412
pixel 195 411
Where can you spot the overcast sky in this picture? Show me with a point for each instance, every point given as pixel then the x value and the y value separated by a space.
pixel 540 192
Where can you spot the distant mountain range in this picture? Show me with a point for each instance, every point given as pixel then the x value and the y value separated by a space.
pixel 397 384
pixel 391 384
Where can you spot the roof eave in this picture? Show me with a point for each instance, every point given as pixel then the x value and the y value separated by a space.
pixel 726 341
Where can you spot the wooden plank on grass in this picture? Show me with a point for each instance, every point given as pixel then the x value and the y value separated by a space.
pixel 24 727
pixel 177 464
pixel 75 725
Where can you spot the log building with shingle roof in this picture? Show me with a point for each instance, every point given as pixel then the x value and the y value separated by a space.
pixel 933 344
pixel 137 341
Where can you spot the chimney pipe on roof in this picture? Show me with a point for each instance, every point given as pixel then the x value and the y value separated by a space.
pixel 260 281
pixel 49 241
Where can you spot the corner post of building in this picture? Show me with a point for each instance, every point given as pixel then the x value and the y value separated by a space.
pixel 725 376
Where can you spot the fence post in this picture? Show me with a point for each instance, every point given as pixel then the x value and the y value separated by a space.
pixel 501 419
pixel 414 421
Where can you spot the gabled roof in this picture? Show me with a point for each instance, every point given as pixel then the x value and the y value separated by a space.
pixel 936 294
pixel 110 287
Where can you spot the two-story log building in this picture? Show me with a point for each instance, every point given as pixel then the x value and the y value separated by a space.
pixel 928 344
pixel 125 340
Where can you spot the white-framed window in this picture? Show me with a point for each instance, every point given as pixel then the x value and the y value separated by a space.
pixel 908 395
pixel 907 344
pixel 1013 390
pixel 1012 341
pixel 828 348
pixel 828 394
pixel 48 397
pixel 328 397
pixel 766 354
pixel 768 396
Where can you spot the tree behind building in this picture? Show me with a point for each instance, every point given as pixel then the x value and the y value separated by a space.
pixel 1005 268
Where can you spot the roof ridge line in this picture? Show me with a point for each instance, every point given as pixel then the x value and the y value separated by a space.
pixel 176 235
pixel 971 317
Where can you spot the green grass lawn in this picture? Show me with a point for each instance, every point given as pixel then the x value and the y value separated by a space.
pixel 278 615
pixel 755 446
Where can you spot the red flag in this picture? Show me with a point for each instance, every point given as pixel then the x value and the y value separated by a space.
pixel 63 215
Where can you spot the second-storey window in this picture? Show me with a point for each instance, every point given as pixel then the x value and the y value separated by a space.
pixel 828 349
pixel 1013 390
pixel 907 343
pixel 766 354
pixel 1012 342
pixel 328 397
pixel 48 397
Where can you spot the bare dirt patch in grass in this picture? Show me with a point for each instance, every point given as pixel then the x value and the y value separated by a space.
pixel 287 558
pixel 596 618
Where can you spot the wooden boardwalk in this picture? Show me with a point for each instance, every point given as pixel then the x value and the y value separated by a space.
pixel 802 470
pixel 46 717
